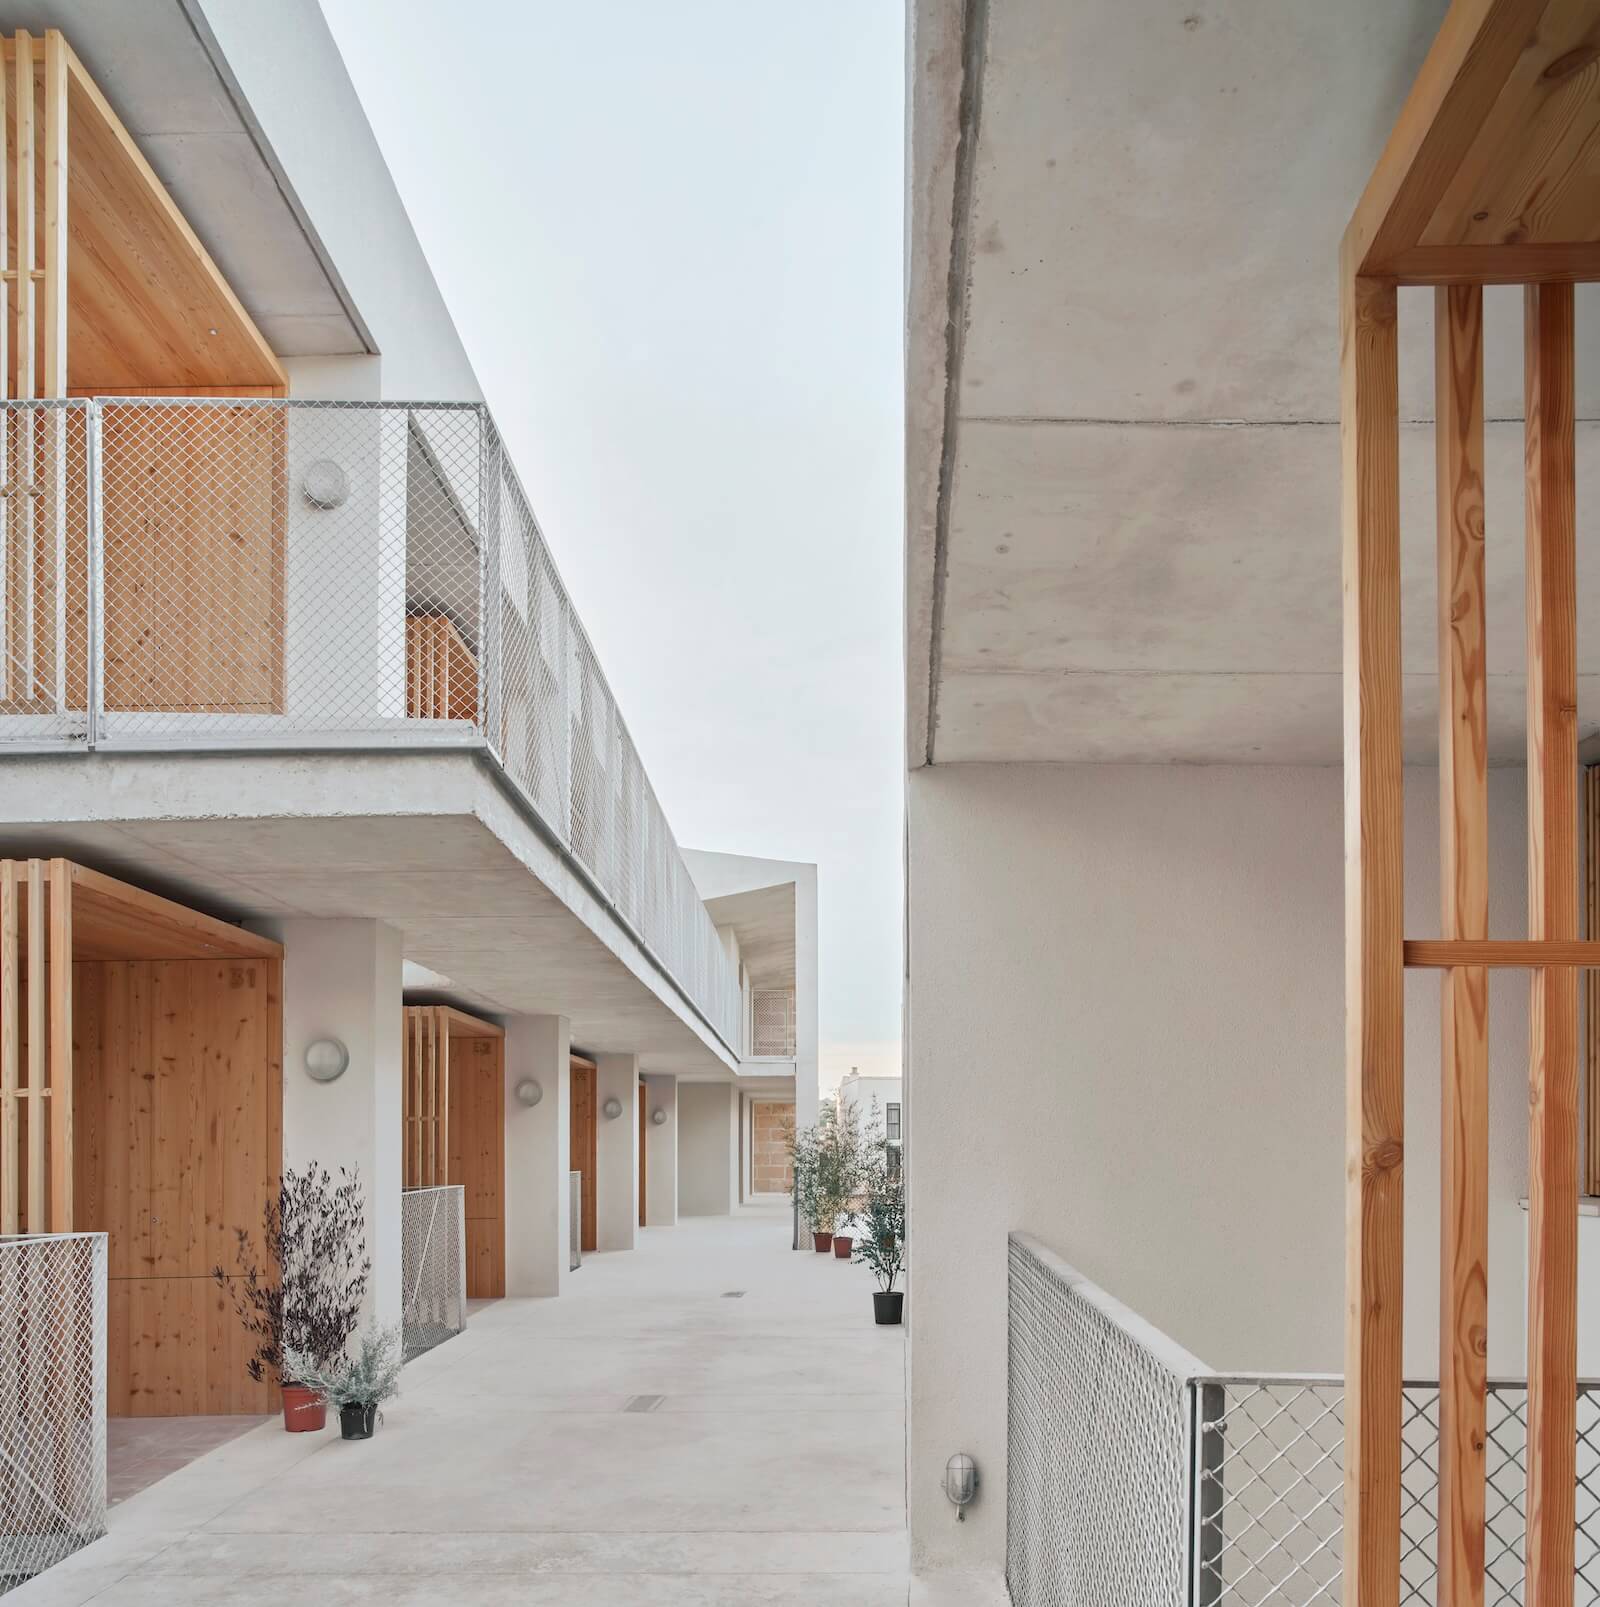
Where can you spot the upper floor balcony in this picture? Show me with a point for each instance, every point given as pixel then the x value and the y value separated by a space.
pixel 205 575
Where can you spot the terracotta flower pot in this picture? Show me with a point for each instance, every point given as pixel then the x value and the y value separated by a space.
pixel 822 1243
pixel 304 1410
pixel 843 1244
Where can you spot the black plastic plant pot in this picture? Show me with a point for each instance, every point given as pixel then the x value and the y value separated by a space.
pixel 356 1421
pixel 886 1307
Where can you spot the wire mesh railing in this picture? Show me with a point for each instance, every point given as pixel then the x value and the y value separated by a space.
pixel 1138 1477
pixel 209 574
pixel 433 1267
pixel 52 1400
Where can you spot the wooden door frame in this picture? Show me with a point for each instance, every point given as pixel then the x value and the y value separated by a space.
pixel 588 1161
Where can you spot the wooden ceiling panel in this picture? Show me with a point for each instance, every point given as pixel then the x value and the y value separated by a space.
pixel 147 308
pixel 113 920
pixel 152 307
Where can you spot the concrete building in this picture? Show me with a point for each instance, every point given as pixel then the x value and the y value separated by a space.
pixel 311 784
pixel 765 912
pixel 885 1096
pixel 1126 921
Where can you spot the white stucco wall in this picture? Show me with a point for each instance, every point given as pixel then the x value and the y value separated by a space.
pixel 707 1148
pixel 1126 1037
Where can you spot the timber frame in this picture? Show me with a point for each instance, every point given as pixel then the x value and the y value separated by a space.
pixel 1485 180
pixel 55 913
pixel 105 289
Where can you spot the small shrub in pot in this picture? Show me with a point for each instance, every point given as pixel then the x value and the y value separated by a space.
pixel 301 1287
pixel 357 1387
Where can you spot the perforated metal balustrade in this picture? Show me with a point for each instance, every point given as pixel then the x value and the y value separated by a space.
pixel 433 1267
pixel 1137 1477
pixel 206 574
pixel 52 1400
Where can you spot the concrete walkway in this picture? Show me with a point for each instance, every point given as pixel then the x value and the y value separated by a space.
pixel 647 1441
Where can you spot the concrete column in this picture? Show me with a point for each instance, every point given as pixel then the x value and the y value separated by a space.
pixel 661 1161
pixel 341 979
pixel 617 1157
pixel 708 1148
pixel 538 1148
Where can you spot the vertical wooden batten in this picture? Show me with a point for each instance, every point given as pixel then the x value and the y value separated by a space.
pixel 1374 935
pixel 1552 913
pixel 1464 913
pixel 55 215
pixel 61 1155
pixel 36 1047
pixel 10 1051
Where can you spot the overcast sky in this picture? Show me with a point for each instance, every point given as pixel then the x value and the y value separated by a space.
pixel 670 235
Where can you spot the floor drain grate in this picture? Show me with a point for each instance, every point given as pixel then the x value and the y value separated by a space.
pixel 733 1294
pixel 643 1403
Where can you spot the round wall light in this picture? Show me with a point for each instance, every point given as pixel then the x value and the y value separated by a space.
pixel 325 484
pixel 326 1060
pixel 657 1116
pixel 529 1092
pixel 612 1108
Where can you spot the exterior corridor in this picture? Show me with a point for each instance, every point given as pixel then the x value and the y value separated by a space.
pixel 651 1438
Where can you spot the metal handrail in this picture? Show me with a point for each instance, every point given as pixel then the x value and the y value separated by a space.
pixel 1234 1500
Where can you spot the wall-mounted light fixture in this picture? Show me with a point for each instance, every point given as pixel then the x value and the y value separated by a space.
pixel 325 484
pixel 612 1108
pixel 326 1060
pixel 529 1092
pixel 657 1116
pixel 961 1482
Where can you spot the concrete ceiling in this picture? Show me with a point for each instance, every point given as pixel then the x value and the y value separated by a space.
pixel 424 842
pixel 157 64
pixel 1123 453
pixel 763 921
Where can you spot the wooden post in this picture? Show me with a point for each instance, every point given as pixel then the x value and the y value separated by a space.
pixel 61 1220
pixel 26 202
pixel 1374 979
pixel 10 1046
pixel 36 991
pixel 1464 913
pixel 1552 913
pixel 55 214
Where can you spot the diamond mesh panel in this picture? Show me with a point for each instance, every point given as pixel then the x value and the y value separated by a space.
pixel 1097 1467
pixel 772 1022
pixel 52 1400
pixel 44 563
pixel 1270 1493
pixel 289 571
pixel 433 1267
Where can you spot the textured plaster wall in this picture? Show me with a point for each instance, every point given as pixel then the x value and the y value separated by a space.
pixel 1126 1037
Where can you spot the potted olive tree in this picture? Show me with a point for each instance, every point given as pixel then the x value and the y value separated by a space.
pixel 846 1147
pixel 883 1243
pixel 357 1387
pixel 805 1160
pixel 301 1296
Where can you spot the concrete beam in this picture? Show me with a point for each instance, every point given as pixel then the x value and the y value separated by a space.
pixel 538 1155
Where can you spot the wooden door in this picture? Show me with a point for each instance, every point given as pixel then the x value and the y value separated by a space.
pixel 644 1150
pixel 584 1145
pixel 195 510
pixel 177 1095
pixel 477 1115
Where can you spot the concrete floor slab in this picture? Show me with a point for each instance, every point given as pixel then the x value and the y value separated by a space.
pixel 641 1442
